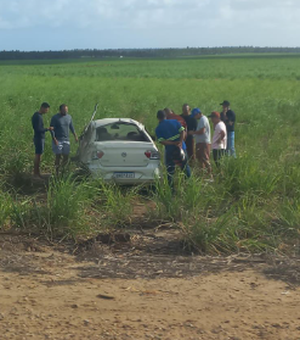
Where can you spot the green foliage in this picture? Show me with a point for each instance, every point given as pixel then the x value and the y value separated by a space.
pixel 253 203
pixel 5 209
pixel 64 212
pixel 115 204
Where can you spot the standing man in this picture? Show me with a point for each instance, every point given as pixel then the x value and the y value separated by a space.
pixel 39 136
pixel 219 142
pixel 202 139
pixel 191 126
pixel 170 133
pixel 228 117
pixel 62 123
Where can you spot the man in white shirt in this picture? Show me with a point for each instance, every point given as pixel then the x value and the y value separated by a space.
pixel 219 142
pixel 203 140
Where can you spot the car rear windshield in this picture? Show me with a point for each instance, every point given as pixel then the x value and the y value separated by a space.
pixel 120 132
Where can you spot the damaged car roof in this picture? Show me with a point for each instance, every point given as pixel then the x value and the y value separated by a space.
pixel 107 121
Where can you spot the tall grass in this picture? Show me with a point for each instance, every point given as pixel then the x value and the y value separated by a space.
pixel 5 209
pixel 65 211
pixel 253 202
pixel 73 208
pixel 116 204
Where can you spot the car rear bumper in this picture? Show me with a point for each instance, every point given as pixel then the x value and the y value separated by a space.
pixel 143 175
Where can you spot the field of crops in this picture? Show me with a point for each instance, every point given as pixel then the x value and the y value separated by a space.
pixel 252 206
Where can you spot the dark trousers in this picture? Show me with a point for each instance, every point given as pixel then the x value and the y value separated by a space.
pixel 218 154
pixel 171 164
pixel 190 147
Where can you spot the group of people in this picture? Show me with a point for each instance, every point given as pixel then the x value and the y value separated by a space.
pixel 60 126
pixel 187 137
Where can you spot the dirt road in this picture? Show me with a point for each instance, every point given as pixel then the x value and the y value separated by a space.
pixel 104 293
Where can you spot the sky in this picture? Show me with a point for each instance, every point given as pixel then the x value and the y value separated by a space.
pixel 28 25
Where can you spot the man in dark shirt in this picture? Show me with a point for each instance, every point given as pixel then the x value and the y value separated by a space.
pixel 62 123
pixel 228 117
pixel 191 124
pixel 39 136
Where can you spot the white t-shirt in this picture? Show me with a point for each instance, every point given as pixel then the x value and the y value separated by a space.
pixel 205 137
pixel 217 134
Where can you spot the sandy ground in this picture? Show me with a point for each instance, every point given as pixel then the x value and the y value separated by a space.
pixel 127 293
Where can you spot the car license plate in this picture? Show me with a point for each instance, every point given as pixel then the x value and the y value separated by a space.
pixel 119 175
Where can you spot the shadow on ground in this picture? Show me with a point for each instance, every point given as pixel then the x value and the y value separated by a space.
pixel 148 254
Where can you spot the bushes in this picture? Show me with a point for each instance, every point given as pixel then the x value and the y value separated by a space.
pixel 243 209
pixel 63 212
pixel 5 209
pixel 252 205
pixel 72 208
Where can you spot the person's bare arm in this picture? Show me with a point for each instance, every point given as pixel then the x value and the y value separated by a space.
pixel 51 129
pixel 198 132
pixel 182 135
pixel 182 138
pixel 168 142
pixel 222 135
pixel 177 143
pixel 75 136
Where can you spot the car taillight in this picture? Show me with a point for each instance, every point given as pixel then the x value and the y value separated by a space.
pixel 98 155
pixel 148 154
pixel 153 155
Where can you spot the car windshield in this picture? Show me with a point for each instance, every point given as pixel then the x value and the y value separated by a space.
pixel 120 132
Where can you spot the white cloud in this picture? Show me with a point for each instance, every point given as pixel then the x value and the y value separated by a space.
pixel 20 13
pixel 163 22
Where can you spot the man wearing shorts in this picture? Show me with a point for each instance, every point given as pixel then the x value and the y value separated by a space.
pixel 39 136
pixel 202 139
pixel 62 123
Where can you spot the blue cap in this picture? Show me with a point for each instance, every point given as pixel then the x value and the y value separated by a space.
pixel 195 112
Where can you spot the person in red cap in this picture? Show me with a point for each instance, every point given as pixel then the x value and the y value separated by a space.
pixel 219 142
pixel 171 115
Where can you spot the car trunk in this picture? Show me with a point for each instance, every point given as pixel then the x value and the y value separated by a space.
pixel 120 154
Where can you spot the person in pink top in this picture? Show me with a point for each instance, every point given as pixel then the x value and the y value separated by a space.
pixel 219 142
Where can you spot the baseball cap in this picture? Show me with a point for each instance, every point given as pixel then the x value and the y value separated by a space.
pixel 195 112
pixel 215 114
pixel 225 103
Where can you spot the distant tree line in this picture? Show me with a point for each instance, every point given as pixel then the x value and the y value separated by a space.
pixel 142 53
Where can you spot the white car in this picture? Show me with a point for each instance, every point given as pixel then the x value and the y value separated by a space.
pixel 119 150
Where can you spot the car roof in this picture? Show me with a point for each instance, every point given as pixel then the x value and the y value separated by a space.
pixel 106 121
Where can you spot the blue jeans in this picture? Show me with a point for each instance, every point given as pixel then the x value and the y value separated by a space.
pixel 230 144
pixel 170 165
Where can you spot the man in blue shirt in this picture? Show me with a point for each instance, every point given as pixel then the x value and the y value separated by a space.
pixel 62 123
pixel 170 133
pixel 39 136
